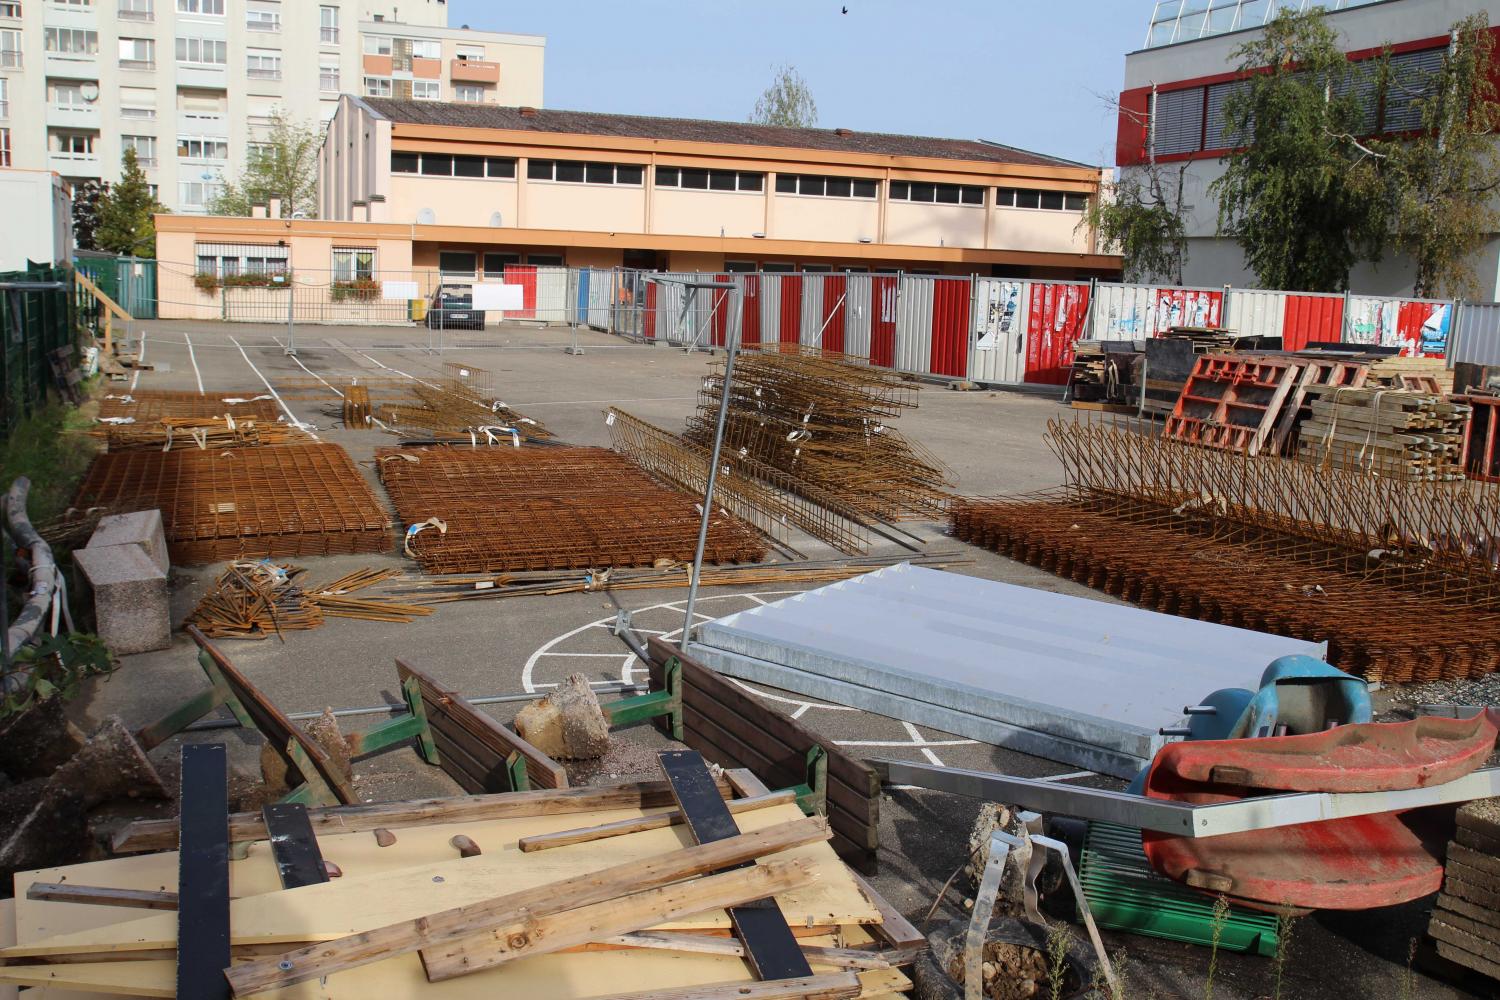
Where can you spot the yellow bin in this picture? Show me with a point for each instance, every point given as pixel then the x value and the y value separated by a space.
pixel 418 309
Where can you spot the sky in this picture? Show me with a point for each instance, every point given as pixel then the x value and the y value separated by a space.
pixel 1031 73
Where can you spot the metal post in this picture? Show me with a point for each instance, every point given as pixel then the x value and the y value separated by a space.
pixel 713 475
pixel 291 331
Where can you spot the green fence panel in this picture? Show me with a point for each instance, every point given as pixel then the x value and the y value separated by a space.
pixel 130 281
pixel 33 324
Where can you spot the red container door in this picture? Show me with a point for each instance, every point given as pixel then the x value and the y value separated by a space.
pixel 1054 321
pixel 648 318
pixel 835 307
pixel 950 328
pixel 1310 318
pixel 883 321
pixel 791 308
pixel 750 302
pixel 721 313
pixel 525 276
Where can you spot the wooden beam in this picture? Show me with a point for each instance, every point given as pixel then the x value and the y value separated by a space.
pixel 703 944
pixel 329 957
pixel 161 834
pixel 587 834
pixel 535 934
pixel 904 940
pixel 98 895
pixel 832 986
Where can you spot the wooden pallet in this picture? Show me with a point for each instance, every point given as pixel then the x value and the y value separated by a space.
pixel 1232 403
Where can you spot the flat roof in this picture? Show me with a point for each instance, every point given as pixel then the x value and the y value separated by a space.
pixel 490 116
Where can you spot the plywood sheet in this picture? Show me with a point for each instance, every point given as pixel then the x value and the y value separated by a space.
pixel 353 904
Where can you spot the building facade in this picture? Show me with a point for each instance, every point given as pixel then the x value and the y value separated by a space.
pixel 191 85
pixel 483 187
pixel 1171 110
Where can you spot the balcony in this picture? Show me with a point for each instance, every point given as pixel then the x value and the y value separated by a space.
pixel 206 75
pixel 263 74
pixel 202 123
pixel 73 164
pixel 138 65
pixel 473 71
pixel 72 65
pixel 73 116
pixel 139 114
pixel 139 16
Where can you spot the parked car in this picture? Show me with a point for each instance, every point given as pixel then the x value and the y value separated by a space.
pixel 453 306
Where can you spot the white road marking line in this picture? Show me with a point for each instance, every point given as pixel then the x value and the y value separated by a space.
pixel 932 758
pixel 581 402
pixel 140 359
pixel 612 656
pixel 757 600
pixel 191 357
pixel 398 371
pixel 903 743
pixel 787 701
pixel 798 714
pixel 311 372
pixel 274 395
pixel 1067 777
pixel 916 737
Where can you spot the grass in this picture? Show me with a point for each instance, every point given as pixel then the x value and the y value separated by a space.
pixel 1285 921
pixel 1221 917
pixel 51 449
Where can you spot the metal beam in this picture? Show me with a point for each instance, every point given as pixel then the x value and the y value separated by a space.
pixel 1180 818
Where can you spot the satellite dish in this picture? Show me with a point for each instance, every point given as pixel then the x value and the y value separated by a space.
pixel 495 220
pixel 89 92
pixel 205 176
pixel 426 217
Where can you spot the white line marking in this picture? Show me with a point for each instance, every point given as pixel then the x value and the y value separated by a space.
pixel 1067 777
pixel 580 402
pixel 274 395
pixel 932 758
pixel 313 373
pixel 191 357
pixel 902 743
pixel 757 600
pixel 398 371
pixel 911 730
pixel 611 656
pixel 798 714
pixel 140 359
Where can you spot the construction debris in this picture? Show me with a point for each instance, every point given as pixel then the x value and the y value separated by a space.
pixel 270 502
pixel 253 600
pixel 203 433
pixel 1466 923
pixel 1386 432
pixel 566 724
pixel 507 509
pixel 149 406
pixel 1401 578
pixel 1418 374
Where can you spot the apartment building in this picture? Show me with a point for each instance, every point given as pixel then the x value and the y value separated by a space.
pixel 191 85
pixel 474 188
pixel 1172 108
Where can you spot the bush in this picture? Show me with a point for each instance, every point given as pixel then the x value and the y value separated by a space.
pixel 357 290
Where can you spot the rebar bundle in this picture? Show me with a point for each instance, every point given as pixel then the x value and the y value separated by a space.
pixel 824 423
pixel 146 406
pixel 271 502
pixel 225 431
pixel 1401 578
pixel 505 509
pixel 762 496
pixel 253 600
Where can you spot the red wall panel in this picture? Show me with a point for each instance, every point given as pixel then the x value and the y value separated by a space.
pixel 883 321
pixel 791 308
pixel 750 306
pixel 721 312
pixel 1055 317
pixel 1309 318
pixel 648 318
pixel 835 308
pixel 525 276
pixel 950 327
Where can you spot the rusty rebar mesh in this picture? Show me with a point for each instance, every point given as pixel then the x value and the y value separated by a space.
pixel 825 423
pixel 226 431
pixel 1401 578
pixel 271 502
pixel 510 509
pixel 149 405
pixel 758 494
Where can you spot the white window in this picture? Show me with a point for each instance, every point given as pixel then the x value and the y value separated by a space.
pixel 214 7
pixel 10 50
pixel 426 48
pixel 137 53
pixel 74 3
pixel 137 102
pixel 4 98
pixel 709 180
pixel 73 143
pixel 71 41
pixel 257 151
pixel 426 90
pixel 263 64
pixel 192 147
pixel 377 86
pixel 468 92
pixel 10 8
pixel 4 147
pixel 197 194
pixel 466 52
pixel 137 10
pixel 202 51
pixel 66 94
pixel 377 46
pixel 328 76
pixel 328 25
pixel 144 146
pixel 263 20
pixel 353 263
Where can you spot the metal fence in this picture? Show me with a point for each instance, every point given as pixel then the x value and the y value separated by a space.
pixel 130 281
pixel 36 320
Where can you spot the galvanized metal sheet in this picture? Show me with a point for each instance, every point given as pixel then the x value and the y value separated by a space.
pixel 552 294
pixel 858 312
pixel 770 309
pixel 914 323
pixel 1055 318
pixel 1255 312
pixel 1476 337
pixel 1072 679
pixel 810 319
pixel 1140 312
pixel 1419 327
pixel 999 324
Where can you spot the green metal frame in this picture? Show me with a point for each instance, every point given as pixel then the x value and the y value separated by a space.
pixel 812 795
pixel 655 704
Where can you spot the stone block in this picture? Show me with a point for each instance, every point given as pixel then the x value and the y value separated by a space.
pixel 568 723
pixel 131 606
pixel 142 528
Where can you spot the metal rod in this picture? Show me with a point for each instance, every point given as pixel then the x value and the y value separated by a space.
pixel 713 473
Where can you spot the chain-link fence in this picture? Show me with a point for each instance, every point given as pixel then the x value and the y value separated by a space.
pixel 36 322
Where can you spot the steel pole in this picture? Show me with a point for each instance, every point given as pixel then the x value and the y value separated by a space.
pixel 291 330
pixel 713 475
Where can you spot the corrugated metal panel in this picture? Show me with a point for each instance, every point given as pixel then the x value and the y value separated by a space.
pixel 750 310
pixel 648 327
pixel 999 324
pixel 811 317
pixel 1255 312
pixel 1417 326
pixel 1055 317
pixel 835 312
pixel 857 315
pixel 914 323
pixel 770 308
pixel 1186 307
pixel 601 287
pixel 525 276
pixel 578 295
pixel 1123 312
pixel 1423 328
pixel 552 294
pixel 1308 319
pixel 884 308
pixel 1476 337
pixel 722 303
pixel 950 327
pixel 791 308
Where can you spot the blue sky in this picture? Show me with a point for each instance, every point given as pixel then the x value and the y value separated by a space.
pixel 1030 73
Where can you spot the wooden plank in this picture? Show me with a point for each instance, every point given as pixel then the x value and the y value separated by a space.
pixel 588 834
pixel 465 921
pixel 829 986
pixel 894 930
pixel 745 783
pixel 98 895
pixel 161 834
pixel 203 873
pixel 294 845
pixel 536 933
pixel 702 944
pixel 446 708
pixel 760 925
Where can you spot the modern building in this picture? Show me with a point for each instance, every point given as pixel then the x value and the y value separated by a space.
pixel 481 187
pixel 1171 109
pixel 191 85
pixel 38 219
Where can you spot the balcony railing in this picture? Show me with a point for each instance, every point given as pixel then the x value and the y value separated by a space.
pixel 4 110
pixel 145 161
pixel 473 71
pixel 137 112
pixel 58 154
pixel 127 14
pixel 138 64
pixel 10 58
pixel 328 36
pixel 263 74
pixel 252 24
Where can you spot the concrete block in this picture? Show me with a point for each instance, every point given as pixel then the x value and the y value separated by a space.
pixel 142 528
pixel 130 597
pixel 568 723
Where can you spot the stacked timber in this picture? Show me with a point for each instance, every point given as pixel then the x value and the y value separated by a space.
pixel 1390 432
pixel 1104 375
pixel 1424 374
pixel 1466 924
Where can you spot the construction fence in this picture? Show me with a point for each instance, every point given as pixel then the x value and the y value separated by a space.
pixel 130 281
pixel 37 324
pixel 991 330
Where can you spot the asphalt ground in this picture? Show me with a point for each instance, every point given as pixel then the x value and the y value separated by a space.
pixel 992 440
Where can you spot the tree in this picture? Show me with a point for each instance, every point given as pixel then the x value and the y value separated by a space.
pixel 1303 197
pixel 1143 222
pixel 285 167
pixel 86 196
pixel 125 211
pixel 1444 176
pixel 787 101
